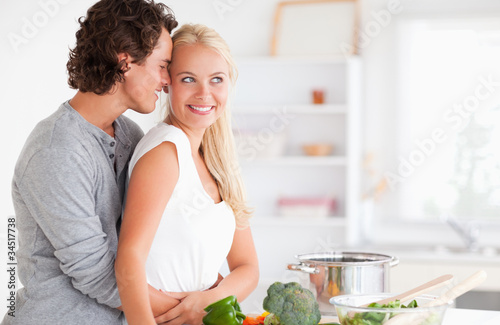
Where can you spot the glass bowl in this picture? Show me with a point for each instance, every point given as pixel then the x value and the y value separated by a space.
pixel 349 313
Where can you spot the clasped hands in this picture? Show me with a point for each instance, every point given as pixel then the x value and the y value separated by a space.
pixel 190 309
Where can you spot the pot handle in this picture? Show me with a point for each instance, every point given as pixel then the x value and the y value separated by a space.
pixel 394 261
pixel 304 268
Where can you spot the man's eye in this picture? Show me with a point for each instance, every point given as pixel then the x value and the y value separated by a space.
pixel 188 79
pixel 163 66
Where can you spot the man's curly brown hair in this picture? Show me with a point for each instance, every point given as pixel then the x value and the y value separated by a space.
pixel 112 27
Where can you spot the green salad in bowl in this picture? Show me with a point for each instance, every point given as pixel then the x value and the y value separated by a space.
pixel 351 310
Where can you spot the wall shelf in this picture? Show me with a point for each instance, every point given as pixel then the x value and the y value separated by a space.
pixel 293 59
pixel 298 161
pixel 305 109
pixel 281 221
pixel 274 118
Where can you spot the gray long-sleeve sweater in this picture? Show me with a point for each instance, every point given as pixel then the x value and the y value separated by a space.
pixel 68 190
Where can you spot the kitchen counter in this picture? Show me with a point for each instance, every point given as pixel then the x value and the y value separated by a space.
pixel 420 263
pixel 453 316
pixel 456 316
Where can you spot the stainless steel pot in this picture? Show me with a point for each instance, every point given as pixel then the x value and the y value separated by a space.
pixel 337 273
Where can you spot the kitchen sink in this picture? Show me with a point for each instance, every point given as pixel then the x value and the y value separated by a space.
pixel 483 300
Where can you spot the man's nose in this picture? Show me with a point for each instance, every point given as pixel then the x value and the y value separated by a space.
pixel 165 78
pixel 165 81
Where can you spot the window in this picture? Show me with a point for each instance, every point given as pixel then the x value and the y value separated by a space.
pixel 448 148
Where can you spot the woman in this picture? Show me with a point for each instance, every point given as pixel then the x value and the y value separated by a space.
pixel 186 212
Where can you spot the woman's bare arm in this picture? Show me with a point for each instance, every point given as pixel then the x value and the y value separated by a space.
pixel 151 185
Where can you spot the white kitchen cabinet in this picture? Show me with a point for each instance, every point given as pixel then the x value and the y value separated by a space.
pixel 274 117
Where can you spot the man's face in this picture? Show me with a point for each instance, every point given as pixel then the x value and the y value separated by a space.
pixel 143 83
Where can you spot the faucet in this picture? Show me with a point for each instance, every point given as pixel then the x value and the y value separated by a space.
pixel 468 231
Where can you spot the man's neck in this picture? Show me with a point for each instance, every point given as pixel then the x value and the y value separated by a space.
pixel 99 110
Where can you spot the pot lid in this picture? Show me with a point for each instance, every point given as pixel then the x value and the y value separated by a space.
pixel 345 258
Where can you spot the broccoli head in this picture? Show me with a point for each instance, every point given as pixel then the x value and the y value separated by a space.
pixel 292 304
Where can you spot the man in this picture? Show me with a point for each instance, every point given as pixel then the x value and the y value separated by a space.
pixel 69 181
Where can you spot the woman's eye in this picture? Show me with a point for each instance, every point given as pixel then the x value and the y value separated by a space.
pixel 217 80
pixel 188 79
pixel 163 67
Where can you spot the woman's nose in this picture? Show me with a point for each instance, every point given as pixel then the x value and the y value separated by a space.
pixel 203 92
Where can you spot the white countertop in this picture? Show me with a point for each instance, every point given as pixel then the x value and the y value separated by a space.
pixel 456 316
pixel 453 316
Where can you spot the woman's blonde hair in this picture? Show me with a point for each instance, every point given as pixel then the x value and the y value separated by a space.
pixel 217 145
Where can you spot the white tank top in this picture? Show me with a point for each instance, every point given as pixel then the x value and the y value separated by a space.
pixel 195 234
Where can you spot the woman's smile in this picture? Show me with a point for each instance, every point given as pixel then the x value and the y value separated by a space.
pixel 201 109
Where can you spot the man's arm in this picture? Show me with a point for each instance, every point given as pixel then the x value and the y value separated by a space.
pixel 57 187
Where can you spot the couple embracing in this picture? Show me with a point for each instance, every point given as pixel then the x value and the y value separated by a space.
pixel 110 221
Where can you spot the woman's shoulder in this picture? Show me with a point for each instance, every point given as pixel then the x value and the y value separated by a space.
pixel 157 136
pixel 163 129
pixel 163 132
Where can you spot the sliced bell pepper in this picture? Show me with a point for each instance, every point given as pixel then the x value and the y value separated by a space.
pixel 257 320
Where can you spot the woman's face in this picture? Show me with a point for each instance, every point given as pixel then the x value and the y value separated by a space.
pixel 199 86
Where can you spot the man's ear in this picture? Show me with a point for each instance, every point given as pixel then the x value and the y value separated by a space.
pixel 126 59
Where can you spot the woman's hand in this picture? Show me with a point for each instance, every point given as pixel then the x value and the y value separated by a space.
pixel 189 311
